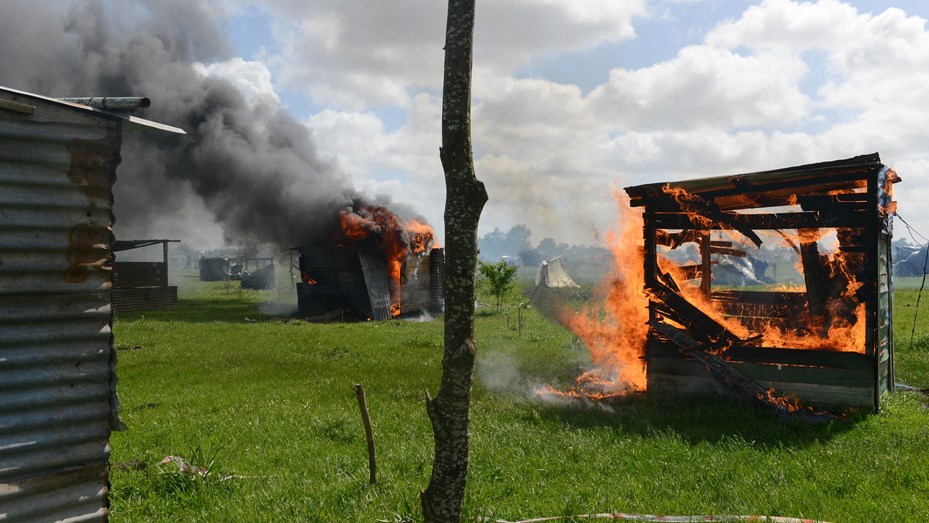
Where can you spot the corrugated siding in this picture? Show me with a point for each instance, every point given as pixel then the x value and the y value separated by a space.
pixel 437 280
pixel 57 377
pixel 884 317
pixel 374 267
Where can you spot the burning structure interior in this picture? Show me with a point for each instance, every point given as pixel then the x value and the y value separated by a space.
pixel 337 279
pixel 375 266
pixel 817 334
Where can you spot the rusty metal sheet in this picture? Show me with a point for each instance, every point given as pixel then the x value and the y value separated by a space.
pixel 57 365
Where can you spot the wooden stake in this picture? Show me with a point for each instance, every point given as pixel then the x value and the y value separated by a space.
pixel 369 433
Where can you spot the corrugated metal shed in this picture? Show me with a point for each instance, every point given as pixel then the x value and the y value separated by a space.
pixel 58 400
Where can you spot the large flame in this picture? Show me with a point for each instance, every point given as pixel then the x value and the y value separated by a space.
pixel 396 238
pixel 615 328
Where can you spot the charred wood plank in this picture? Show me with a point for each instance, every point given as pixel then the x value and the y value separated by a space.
pixel 706 273
pixel 774 298
pixel 688 314
pixel 787 196
pixel 669 281
pixel 704 211
pixel 719 368
pixel 854 248
pixel 828 202
pixel 772 221
pixel 769 221
pixel 819 176
pixel 815 274
pixel 675 240
pixel 776 356
pixel 808 357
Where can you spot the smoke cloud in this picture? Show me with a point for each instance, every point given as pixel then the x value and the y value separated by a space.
pixel 251 166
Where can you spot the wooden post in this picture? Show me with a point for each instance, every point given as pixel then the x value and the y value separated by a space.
pixel 369 433
pixel 164 245
pixel 706 266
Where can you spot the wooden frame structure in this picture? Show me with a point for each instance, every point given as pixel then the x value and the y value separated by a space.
pixel 689 349
pixel 142 285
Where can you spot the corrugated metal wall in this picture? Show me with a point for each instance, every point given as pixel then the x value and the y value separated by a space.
pixel 57 379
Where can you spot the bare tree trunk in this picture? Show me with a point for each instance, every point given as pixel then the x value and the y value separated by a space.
pixel 465 199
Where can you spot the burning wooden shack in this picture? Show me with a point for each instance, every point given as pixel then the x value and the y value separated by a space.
pixel 376 266
pixel 821 332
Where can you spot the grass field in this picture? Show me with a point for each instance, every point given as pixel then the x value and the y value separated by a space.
pixel 267 406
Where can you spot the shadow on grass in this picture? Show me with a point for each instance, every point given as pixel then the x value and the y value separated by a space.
pixel 696 420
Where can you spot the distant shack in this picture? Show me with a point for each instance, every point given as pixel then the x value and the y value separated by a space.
pixel 141 286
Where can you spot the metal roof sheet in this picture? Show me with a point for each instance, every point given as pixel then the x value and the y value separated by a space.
pixel 133 120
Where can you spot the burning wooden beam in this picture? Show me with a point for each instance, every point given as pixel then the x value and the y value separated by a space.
pixel 726 373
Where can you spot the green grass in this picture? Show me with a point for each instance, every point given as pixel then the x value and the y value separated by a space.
pixel 270 403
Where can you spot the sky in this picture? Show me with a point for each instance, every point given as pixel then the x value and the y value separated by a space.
pixel 572 99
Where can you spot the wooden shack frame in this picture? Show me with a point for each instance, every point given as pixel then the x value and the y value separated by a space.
pixel 687 351
pixel 141 286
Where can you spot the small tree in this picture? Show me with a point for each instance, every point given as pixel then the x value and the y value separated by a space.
pixel 499 277
pixel 450 410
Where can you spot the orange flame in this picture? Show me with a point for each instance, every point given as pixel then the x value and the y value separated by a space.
pixel 789 403
pixel 688 203
pixel 614 330
pixel 422 236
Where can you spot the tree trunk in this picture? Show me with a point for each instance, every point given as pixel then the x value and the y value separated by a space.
pixel 465 198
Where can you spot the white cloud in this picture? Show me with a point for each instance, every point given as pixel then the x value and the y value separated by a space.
pixel 749 97
pixel 251 78
pixel 704 86
pixel 357 54
pixel 403 163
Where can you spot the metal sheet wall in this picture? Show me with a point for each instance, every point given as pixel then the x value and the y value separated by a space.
pixel 57 378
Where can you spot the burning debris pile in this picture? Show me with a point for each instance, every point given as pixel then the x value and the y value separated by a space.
pixel 376 265
pixel 819 333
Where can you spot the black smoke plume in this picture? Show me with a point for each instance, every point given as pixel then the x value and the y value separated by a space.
pixel 252 166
